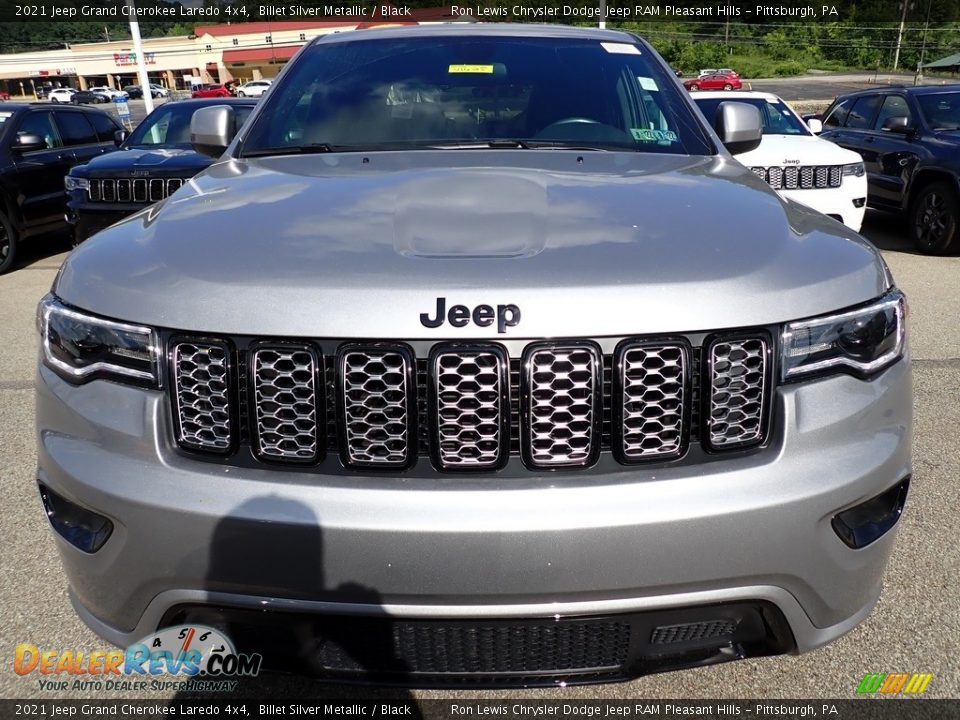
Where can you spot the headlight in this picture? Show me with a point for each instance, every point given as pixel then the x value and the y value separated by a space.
pixel 75 183
pixel 80 347
pixel 855 169
pixel 862 341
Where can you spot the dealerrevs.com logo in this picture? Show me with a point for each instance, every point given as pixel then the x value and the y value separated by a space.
pixel 894 683
pixel 184 657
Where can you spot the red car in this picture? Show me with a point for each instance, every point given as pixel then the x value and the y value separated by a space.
pixel 4 95
pixel 210 91
pixel 713 82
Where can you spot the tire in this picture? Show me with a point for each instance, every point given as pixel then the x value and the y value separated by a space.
pixel 728 86
pixel 935 219
pixel 241 93
pixel 694 88
pixel 54 101
pixel 8 244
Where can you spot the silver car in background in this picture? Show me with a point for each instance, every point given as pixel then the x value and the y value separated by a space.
pixel 476 357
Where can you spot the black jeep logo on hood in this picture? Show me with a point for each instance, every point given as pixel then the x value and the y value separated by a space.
pixel 482 316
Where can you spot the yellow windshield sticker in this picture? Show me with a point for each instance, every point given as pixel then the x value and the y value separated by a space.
pixel 471 69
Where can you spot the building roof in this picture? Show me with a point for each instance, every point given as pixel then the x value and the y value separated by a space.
pixel 948 62
pixel 279 52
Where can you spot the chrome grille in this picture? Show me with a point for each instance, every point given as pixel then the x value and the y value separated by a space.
pixel 378 405
pixel 651 399
pixel 739 375
pixel 287 402
pixel 470 404
pixel 132 190
pixel 202 382
pixel 805 177
pixel 562 405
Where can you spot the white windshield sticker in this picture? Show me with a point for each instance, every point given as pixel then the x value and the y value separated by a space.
pixel 648 83
pixel 620 48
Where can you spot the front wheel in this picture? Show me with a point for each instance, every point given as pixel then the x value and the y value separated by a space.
pixel 54 100
pixel 934 219
pixel 241 93
pixel 728 86
pixel 8 243
pixel 694 88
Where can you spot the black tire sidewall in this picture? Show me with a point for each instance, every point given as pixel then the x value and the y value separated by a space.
pixel 950 242
pixel 7 263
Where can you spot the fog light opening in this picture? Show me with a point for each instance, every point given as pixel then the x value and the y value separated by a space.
pixel 82 528
pixel 859 202
pixel 861 525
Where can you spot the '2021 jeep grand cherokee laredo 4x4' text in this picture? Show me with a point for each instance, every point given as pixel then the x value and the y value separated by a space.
pixel 434 376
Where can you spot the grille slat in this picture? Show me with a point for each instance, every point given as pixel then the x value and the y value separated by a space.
pixel 202 385
pixel 737 394
pixel 471 406
pixel 652 388
pixel 801 177
pixel 562 405
pixel 378 405
pixel 287 403
pixel 470 403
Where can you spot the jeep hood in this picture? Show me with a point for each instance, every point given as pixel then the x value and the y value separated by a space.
pixel 146 162
pixel 359 245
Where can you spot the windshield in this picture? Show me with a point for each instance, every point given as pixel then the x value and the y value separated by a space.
pixel 941 110
pixel 777 117
pixel 470 91
pixel 169 125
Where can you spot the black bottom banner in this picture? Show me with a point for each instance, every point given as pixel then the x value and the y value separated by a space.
pixel 432 709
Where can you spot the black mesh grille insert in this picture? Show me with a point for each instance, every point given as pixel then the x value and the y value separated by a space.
pixel 484 648
pixel 667 634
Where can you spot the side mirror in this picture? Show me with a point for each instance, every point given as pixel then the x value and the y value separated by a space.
pixel 738 126
pixel 899 124
pixel 815 126
pixel 212 130
pixel 28 142
pixel 119 136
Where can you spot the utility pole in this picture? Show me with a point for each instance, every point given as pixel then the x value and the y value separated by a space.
pixel 903 21
pixel 141 60
pixel 603 14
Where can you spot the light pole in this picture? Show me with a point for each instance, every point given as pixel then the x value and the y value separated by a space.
pixel 141 60
pixel 603 14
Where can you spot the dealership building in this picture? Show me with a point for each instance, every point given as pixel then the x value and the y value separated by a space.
pixel 211 54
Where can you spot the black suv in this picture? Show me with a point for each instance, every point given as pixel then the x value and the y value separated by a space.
pixel 153 163
pixel 38 146
pixel 909 138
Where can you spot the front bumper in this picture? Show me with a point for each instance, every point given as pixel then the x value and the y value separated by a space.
pixel 87 219
pixel 754 529
pixel 846 203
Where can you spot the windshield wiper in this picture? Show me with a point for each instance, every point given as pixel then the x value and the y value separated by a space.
pixel 289 150
pixel 495 144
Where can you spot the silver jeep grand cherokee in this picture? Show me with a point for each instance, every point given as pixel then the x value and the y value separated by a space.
pixel 476 357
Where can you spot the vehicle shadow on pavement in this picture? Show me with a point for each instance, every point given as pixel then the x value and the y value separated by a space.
pixel 888 231
pixel 35 250
pixel 254 556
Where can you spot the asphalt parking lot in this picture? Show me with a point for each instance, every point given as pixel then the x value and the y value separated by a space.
pixel 915 628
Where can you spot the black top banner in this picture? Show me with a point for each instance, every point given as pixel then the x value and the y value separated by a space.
pixel 570 11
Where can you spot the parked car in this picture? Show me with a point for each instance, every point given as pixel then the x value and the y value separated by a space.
pixel 88 97
pixel 476 357
pixel 38 146
pixel 4 95
pixel 909 138
pixel 109 92
pixel 797 163
pixel 254 88
pixel 716 81
pixel 721 71
pixel 159 91
pixel 61 95
pixel 210 90
pixel 154 161
pixel 134 92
